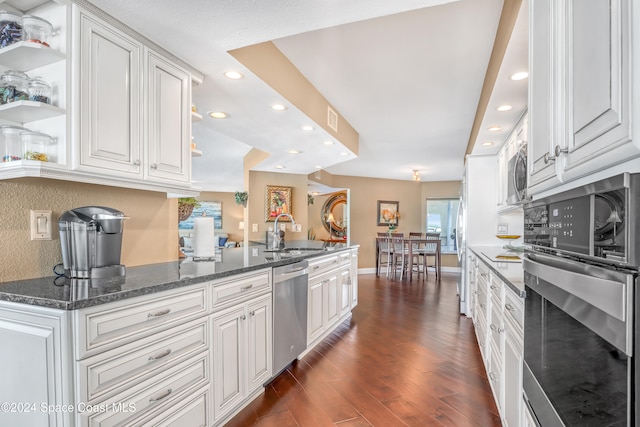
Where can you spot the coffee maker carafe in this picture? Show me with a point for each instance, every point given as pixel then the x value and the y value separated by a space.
pixel 91 239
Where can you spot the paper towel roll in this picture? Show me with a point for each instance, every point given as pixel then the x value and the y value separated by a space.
pixel 203 244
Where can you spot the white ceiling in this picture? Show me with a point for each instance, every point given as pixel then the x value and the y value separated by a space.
pixel 406 75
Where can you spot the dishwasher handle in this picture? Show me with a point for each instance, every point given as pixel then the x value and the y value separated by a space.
pixel 282 274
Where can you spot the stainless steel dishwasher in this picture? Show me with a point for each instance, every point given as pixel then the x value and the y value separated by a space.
pixel 290 283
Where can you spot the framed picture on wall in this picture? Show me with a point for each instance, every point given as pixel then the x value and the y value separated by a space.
pixel 209 209
pixel 388 212
pixel 277 201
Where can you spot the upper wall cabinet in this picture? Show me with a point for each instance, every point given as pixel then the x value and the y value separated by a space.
pixel 581 91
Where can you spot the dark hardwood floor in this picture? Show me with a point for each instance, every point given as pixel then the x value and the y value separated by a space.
pixel 405 358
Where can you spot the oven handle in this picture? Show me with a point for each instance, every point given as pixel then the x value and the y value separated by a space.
pixel 604 289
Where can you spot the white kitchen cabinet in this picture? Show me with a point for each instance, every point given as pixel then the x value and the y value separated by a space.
pixel 238 332
pixel 169 120
pixel 315 309
pixel 37 369
pixel 513 358
pixel 110 98
pixel 581 91
pixel 345 291
pixel 354 278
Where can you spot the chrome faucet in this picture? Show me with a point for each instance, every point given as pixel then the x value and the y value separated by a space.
pixel 276 234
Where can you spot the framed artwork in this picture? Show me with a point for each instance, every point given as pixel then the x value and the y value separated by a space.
pixel 277 201
pixel 388 212
pixel 210 209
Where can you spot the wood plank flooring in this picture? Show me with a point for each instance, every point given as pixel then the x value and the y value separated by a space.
pixel 405 358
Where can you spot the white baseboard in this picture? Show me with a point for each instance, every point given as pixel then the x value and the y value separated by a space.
pixel 372 270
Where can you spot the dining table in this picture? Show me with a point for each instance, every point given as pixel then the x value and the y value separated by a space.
pixel 413 245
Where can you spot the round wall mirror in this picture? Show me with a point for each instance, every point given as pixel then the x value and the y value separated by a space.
pixel 335 205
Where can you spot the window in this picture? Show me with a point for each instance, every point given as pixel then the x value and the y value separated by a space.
pixel 441 218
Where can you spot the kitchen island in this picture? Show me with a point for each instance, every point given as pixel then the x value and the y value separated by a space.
pixel 179 342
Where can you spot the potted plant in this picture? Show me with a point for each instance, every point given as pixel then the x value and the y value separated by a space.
pixel 186 206
pixel 241 198
pixel 310 199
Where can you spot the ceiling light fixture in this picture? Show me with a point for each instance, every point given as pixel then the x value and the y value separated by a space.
pixel 278 107
pixel 521 75
pixel 328 143
pixel 278 167
pixel 505 107
pixel 318 167
pixel 494 129
pixel 294 151
pixel 218 115
pixel 487 143
pixel 233 75
pixel 307 128
pixel 344 154
pixel 416 175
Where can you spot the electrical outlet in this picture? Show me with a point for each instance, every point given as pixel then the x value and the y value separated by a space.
pixel 270 229
pixel 254 228
pixel 297 228
pixel 40 225
pixel 503 228
pixel 283 227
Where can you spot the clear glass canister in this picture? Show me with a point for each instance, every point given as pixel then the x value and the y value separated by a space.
pixel 14 86
pixel 39 90
pixel 10 28
pixel 38 146
pixel 36 30
pixel 11 142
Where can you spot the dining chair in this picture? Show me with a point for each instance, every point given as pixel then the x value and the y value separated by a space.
pixel 399 251
pixel 430 250
pixel 415 234
pixel 384 251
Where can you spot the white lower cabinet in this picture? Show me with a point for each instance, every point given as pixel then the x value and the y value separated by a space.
pixel 498 320
pixel 354 278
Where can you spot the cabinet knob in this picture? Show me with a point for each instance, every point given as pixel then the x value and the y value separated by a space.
pixel 253 313
pixel 154 166
pixel 492 376
pixel 243 317
pixel 137 163
pixel 559 151
pixel 509 307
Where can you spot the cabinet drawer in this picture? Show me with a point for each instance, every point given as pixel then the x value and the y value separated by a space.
pixel 191 411
pixel 109 373
pixel 514 309
pixel 110 325
pixel 344 258
pixel 241 287
pixel 323 264
pixel 152 396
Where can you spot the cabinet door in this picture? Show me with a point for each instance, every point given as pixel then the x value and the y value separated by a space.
pixel 110 98
pixel 259 343
pixel 541 170
pixel 345 288
pixel 598 86
pixel 513 350
pixel 332 295
pixel 354 278
pixel 229 369
pixel 169 125
pixel 315 310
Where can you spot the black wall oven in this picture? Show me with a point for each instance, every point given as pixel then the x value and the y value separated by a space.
pixel 580 335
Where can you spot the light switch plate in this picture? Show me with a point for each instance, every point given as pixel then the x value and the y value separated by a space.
pixel 297 228
pixel 254 228
pixel 283 227
pixel 40 225
pixel 503 228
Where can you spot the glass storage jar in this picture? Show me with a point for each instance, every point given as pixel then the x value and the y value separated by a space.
pixel 36 30
pixel 11 142
pixel 37 146
pixel 10 28
pixel 14 86
pixel 39 90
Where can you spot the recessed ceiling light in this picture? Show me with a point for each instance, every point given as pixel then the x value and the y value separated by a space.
pixel 307 127
pixel 233 75
pixel 294 151
pixel 315 193
pixel 494 129
pixel 279 167
pixel 218 115
pixel 519 75
pixel 278 107
pixel 328 143
pixel 487 143
pixel 318 167
pixel 505 107
pixel 344 154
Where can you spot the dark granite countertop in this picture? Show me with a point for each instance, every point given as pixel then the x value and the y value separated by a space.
pixel 70 294
pixel 505 263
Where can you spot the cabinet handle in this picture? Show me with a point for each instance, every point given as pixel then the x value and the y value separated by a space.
pixel 162 396
pixel 335 261
pixel 493 327
pixel 559 151
pixel 154 166
pixel 483 305
pixel 246 288
pixel 509 307
pixel 492 376
pixel 493 287
pixel 161 355
pixel 253 313
pixel 243 317
pixel 159 313
pixel 315 267
pixel 137 163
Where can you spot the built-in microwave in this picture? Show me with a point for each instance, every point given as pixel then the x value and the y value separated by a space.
pixel 517 177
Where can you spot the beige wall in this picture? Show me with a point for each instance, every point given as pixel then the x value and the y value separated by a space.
pixel 232 214
pixel 150 235
pixel 258 182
